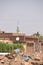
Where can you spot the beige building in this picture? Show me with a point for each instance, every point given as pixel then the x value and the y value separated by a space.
pixel 31 43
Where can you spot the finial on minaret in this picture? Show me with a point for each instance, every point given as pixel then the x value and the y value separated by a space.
pixel 17 30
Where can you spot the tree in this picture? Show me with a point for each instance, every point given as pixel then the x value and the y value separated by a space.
pixel 38 35
pixel 40 38
pixel 4 47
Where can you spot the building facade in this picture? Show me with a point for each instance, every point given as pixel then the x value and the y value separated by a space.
pixel 31 43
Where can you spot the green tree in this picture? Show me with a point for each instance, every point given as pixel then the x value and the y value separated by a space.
pixel 4 47
pixel 38 35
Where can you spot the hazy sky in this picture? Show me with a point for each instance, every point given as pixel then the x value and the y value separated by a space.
pixel 29 14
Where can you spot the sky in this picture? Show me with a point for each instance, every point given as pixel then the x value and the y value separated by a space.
pixel 27 14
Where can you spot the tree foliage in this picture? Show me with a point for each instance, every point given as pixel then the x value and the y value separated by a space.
pixel 4 47
pixel 39 36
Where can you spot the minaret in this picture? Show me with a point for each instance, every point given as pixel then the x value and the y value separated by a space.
pixel 17 30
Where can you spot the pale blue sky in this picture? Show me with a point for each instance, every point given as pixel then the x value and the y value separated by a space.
pixel 29 13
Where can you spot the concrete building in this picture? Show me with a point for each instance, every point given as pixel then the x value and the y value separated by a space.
pixel 31 43
pixel 41 49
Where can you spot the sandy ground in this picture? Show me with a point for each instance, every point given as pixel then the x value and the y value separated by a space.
pixel 17 60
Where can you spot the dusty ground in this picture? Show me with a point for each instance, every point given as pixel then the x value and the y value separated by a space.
pixel 17 60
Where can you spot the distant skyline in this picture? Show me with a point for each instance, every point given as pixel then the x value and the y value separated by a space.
pixel 29 14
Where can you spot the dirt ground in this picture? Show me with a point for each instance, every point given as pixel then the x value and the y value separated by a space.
pixel 17 60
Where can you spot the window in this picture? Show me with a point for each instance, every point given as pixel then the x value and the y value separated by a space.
pixel 41 44
pixel 30 44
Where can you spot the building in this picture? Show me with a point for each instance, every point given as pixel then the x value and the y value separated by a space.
pixel 31 43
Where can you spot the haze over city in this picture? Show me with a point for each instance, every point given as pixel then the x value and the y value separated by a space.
pixel 27 13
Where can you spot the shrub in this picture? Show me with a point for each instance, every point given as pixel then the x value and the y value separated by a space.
pixel 4 47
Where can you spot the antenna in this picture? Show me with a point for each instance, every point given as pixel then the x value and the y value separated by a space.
pixel 17 30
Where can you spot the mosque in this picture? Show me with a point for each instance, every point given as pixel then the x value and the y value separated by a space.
pixel 31 43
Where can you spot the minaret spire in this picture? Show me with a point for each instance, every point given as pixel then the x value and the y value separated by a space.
pixel 18 30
